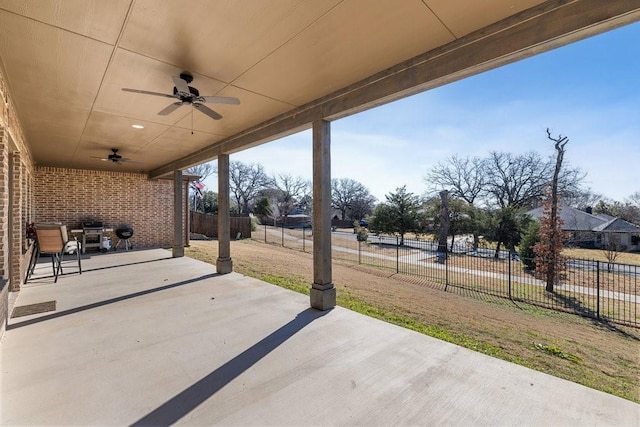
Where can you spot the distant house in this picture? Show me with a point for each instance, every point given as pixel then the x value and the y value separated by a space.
pixel 596 231
pixel 296 219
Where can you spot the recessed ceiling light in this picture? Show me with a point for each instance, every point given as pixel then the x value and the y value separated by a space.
pixel 137 126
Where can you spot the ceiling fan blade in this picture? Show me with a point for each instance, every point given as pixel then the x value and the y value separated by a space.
pixel 221 100
pixel 126 160
pixel 181 85
pixel 170 109
pixel 146 92
pixel 208 111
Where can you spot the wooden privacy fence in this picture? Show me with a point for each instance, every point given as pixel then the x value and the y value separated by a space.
pixel 207 224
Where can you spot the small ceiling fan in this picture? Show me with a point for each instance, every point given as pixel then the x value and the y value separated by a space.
pixel 188 95
pixel 114 157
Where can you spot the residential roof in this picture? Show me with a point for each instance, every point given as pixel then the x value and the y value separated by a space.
pixel 574 219
pixel 605 216
pixel 577 220
pixel 617 225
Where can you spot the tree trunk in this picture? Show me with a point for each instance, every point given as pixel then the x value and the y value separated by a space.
pixel 444 226
pixel 555 232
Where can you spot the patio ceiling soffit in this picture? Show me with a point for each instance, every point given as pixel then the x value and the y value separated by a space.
pixel 536 30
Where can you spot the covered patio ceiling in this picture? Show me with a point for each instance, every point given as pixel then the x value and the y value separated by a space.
pixel 290 62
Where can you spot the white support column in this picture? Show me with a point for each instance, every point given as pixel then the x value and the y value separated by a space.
pixel 323 293
pixel 178 246
pixel 224 264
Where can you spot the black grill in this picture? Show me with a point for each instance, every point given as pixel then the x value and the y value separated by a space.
pixel 124 232
pixel 92 225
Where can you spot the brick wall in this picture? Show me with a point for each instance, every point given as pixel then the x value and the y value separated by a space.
pixel 16 167
pixel 4 230
pixel 73 196
pixel 4 205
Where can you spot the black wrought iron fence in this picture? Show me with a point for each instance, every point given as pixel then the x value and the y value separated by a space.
pixel 590 288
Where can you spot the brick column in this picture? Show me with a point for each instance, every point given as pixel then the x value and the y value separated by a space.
pixel 323 293
pixel 16 234
pixel 224 264
pixel 4 230
pixel 5 209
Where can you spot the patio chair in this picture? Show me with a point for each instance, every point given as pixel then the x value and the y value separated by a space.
pixel 53 239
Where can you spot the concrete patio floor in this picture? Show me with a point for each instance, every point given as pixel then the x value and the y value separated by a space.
pixel 142 338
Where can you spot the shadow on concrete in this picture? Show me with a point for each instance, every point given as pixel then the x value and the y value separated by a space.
pixel 127 264
pixel 35 280
pixel 180 405
pixel 107 302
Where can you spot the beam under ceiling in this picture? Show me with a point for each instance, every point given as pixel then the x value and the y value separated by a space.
pixel 536 30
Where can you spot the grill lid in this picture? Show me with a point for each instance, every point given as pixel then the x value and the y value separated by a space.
pixel 124 232
pixel 92 224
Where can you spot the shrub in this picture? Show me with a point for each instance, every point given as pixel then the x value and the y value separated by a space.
pixel 530 237
pixel 362 234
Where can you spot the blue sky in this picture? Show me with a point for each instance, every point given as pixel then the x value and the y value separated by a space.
pixel 588 91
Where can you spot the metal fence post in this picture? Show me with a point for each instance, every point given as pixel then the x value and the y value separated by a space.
pixel 598 289
pixel 282 234
pixel 359 252
pixel 446 272
pixel 265 232
pixel 509 274
pixel 397 255
pixel 303 240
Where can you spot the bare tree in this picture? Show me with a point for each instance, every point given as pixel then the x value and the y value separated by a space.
pixel 203 170
pixel 629 210
pixel 583 199
pixel 245 182
pixel 611 251
pixel 520 181
pixel 290 191
pixel 516 181
pixel 362 206
pixel 635 199
pixel 464 178
pixel 351 198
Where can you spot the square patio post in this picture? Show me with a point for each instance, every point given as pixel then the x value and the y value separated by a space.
pixel 323 293
pixel 178 245
pixel 224 264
